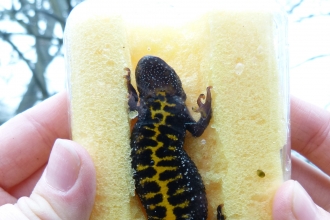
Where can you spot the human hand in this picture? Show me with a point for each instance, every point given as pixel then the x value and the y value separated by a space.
pixel 310 136
pixel 29 187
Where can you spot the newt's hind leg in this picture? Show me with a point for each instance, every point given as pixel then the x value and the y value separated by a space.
pixel 220 216
pixel 132 94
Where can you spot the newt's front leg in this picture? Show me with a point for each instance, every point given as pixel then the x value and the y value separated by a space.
pixel 132 94
pixel 197 128
pixel 220 216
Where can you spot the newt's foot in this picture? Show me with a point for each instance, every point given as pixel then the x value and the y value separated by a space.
pixel 205 108
pixel 128 76
pixel 132 95
pixel 220 215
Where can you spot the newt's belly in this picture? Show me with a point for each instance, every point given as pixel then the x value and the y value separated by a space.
pixel 167 181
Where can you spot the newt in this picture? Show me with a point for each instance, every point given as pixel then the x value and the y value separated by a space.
pixel 166 179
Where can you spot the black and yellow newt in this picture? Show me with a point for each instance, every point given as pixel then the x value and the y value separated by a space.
pixel 166 179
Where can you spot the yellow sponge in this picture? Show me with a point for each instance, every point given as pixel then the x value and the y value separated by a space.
pixel 238 155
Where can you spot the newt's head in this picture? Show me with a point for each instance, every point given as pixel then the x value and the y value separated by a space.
pixel 154 75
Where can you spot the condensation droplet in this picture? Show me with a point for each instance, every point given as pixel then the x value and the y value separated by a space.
pixel 203 141
pixel 101 83
pixel 133 114
pixel 239 68
pixel 260 49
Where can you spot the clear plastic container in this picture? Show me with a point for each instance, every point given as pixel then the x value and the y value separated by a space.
pixel 238 48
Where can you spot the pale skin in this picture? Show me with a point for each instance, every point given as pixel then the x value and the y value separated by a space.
pixel 310 136
pixel 32 188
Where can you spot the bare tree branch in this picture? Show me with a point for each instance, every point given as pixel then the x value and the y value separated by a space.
pixel 32 95
pixel 310 59
pixel 59 7
pixel 312 16
pixel 60 40
pixel 290 11
pixel 61 20
pixel 28 63
pixel 68 2
pixel 28 14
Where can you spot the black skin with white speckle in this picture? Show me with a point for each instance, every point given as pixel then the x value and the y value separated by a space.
pixel 166 179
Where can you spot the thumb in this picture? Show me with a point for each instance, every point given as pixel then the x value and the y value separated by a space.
pixel 291 201
pixel 66 190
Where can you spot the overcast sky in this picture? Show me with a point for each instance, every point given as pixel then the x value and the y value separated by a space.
pixel 309 43
pixel 309 37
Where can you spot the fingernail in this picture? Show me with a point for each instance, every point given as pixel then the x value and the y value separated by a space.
pixel 63 166
pixel 303 206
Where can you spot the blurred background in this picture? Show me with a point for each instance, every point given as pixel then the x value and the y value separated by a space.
pixel 32 64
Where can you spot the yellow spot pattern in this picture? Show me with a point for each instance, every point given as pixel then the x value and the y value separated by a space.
pixel 162 184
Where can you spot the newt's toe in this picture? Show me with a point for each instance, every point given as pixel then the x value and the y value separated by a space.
pixel 204 108
pixel 220 215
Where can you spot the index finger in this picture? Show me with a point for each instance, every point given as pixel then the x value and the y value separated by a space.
pixel 26 140
pixel 310 133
